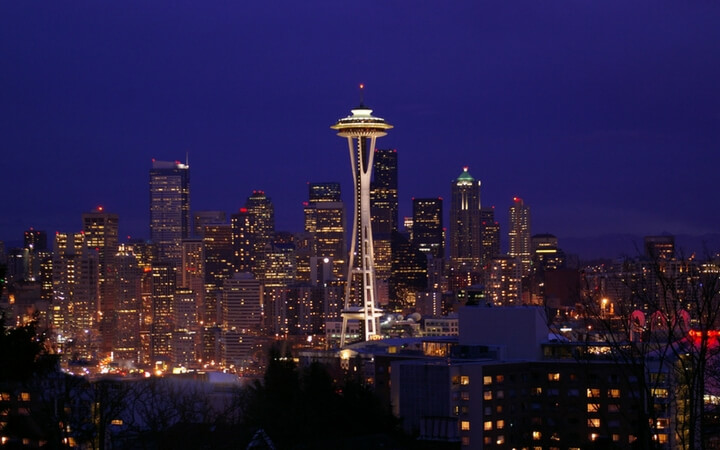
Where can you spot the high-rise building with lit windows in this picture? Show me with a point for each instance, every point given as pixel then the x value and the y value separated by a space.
pixel 384 214
pixel 261 215
pixel 242 240
pixel 428 233
pixel 384 192
pixel 75 295
pixel 126 341
pixel 489 235
pixel 465 243
pixel 101 234
pixel 169 209
pixel 240 317
pixel 325 220
pixel 193 272
pixel 519 234
pixel 162 297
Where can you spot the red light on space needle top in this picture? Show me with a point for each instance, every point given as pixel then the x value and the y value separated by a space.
pixel 243 210
pixel 100 208
pixel 362 86
pixel 517 199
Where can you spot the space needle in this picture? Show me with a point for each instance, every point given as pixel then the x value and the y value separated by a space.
pixel 361 129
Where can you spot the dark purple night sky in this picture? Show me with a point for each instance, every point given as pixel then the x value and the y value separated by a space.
pixel 603 115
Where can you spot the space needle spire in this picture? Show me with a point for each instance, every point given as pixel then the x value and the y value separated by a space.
pixel 361 129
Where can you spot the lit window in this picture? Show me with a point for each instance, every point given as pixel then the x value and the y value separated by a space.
pixel 614 393
pixel 465 425
pixel 593 423
pixel 487 440
pixel 487 395
pixel 593 407
pixel 536 391
pixel 537 435
pixel 616 438
pixel 500 424
pixel 553 377
pixel 499 378
pixel 659 392
pixel 25 396
pixel 593 436
pixel 465 380
pixel 116 422
pixel 487 425
pixel 500 440
pixel 661 424
pixel 662 438
pixel 487 380
pixel 593 392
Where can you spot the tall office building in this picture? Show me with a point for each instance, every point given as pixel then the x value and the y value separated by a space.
pixel 261 215
pixel 409 273
pixel 35 241
pixel 242 240
pixel 428 234
pixel 185 336
pixel 240 318
pixel 169 209
pixel 465 244
pixel 384 212
pixel 126 341
pixel 489 235
pixel 503 282
pixel 219 266
pixel 163 295
pixel 101 234
pixel 325 220
pixel 361 129
pixel 193 273
pixel 219 255
pixel 75 295
pixel 384 192
pixel 519 234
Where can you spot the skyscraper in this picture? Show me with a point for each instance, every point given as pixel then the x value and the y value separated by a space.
pixel 325 220
pixel 241 240
pixel 163 296
pixel 126 341
pixel 169 209
pixel 489 235
pixel 465 245
pixel 75 294
pixel 240 317
pixel 361 130
pixel 384 192
pixel 519 234
pixel 384 212
pixel 261 215
pixel 101 234
pixel 428 234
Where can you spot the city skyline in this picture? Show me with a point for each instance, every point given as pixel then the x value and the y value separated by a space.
pixel 603 118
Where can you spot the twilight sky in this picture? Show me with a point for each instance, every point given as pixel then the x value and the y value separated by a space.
pixel 603 115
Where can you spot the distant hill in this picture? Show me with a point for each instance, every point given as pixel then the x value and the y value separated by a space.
pixel 611 246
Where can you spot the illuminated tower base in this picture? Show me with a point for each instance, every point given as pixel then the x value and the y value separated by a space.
pixel 361 130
